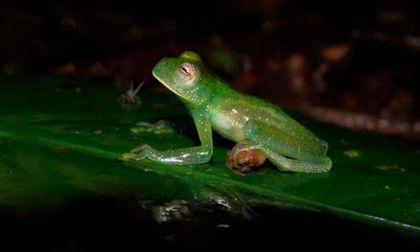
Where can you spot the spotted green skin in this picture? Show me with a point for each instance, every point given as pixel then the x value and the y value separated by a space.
pixel 244 119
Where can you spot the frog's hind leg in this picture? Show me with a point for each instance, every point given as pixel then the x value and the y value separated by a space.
pixel 310 165
pixel 283 151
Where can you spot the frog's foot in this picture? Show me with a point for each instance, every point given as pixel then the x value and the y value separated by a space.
pixel 244 158
pixel 137 153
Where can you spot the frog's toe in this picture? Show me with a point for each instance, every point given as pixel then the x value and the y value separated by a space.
pixel 137 153
pixel 133 156
pixel 127 156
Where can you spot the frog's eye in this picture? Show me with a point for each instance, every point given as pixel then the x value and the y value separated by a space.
pixel 187 72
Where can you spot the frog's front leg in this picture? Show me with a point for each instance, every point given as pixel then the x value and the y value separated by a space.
pixel 184 156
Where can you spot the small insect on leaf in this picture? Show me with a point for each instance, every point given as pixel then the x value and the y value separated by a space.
pixel 129 98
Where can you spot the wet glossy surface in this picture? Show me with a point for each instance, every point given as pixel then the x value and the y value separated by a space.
pixel 55 151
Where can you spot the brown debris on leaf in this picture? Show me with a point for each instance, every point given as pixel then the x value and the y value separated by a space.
pixel 245 160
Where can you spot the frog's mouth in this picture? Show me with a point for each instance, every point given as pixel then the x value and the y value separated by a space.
pixel 161 72
pixel 166 85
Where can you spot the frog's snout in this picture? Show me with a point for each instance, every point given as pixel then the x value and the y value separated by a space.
pixel 159 68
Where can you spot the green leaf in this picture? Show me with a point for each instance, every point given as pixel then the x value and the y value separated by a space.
pixel 61 140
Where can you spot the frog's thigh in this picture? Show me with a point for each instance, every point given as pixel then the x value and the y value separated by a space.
pixel 273 146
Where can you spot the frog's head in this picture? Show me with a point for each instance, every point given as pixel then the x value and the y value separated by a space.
pixel 184 76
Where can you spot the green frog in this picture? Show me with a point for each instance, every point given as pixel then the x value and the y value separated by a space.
pixel 252 123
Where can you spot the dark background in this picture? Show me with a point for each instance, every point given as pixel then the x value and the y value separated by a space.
pixel 334 60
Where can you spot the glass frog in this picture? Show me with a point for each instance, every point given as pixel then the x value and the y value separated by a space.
pixel 250 122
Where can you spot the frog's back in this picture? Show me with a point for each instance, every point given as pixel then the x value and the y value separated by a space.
pixel 266 114
pixel 277 118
